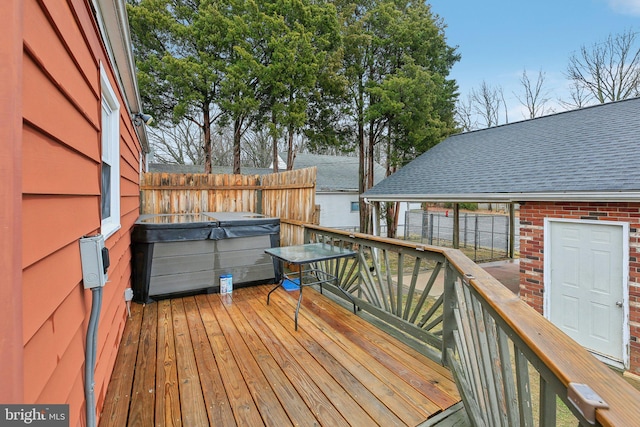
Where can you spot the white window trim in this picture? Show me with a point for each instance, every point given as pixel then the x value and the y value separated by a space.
pixel 110 151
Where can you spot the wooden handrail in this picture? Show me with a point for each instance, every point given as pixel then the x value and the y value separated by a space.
pixel 386 240
pixel 564 357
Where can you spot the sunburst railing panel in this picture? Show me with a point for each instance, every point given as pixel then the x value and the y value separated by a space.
pixel 512 366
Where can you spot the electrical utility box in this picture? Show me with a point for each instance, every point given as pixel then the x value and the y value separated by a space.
pixel 95 261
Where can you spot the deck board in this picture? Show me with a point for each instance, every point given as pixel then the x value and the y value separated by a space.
pixel 261 392
pixel 229 360
pixel 141 399
pixel 293 403
pixel 115 410
pixel 280 325
pixel 242 405
pixel 192 405
pixel 353 373
pixel 392 357
pixel 167 411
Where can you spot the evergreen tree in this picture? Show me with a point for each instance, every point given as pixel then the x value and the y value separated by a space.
pixel 387 44
pixel 177 47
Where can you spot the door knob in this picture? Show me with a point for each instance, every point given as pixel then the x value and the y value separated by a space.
pixel 619 303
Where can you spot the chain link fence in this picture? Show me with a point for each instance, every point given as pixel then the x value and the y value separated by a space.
pixel 483 237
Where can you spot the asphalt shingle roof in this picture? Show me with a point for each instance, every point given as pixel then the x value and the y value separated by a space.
pixel 335 173
pixel 594 149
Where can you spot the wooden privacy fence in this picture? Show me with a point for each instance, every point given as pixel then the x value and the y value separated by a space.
pixel 289 196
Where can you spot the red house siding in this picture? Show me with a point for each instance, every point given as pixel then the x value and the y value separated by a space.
pixel 57 158
pixel 532 216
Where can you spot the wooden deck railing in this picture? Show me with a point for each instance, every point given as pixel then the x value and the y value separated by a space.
pixel 512 366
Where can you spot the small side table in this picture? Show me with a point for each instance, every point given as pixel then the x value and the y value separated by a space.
pixel 304 256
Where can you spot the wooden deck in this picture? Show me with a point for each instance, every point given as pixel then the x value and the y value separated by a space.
pixel 225 360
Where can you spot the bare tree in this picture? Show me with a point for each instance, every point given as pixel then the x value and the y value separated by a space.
pixel 610 70
pixel 177 144
pixel 257 149
pixel 223 146
pixel 464 114
pixel 579 97
pixel 535 96
pixel 504 104
pixel 486 103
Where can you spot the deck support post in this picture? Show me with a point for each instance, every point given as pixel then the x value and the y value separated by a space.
pixel 456 225
pixel 448 317
pixel 307 236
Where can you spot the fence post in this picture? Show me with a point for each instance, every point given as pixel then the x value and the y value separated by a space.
pixel 476 238
pixel 507 237
pixel 406 225
pixel 424 225
pixel 465 229
pixel 430 233
pixel 493 222
pixel 306 235
pixel 259 201
pixel 456 225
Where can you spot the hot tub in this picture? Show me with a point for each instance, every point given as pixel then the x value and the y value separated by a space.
pixel 181 254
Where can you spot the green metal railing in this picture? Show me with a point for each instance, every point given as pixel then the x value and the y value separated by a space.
pixel 512 367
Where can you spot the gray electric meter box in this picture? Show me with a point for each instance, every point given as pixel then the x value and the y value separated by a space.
pixel 95 261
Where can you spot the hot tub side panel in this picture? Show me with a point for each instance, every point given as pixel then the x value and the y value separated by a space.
pixel 177 260
pixel 244 258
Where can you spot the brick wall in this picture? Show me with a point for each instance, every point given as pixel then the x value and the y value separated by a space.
pixel 532 216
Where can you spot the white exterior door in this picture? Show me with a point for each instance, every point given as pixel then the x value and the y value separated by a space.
pixel 586 269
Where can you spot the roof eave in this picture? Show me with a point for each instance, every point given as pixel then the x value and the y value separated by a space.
pixel 579 196
pixel 328 190
pixel 114 25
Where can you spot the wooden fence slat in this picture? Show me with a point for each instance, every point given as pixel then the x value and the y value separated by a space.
pixel 288 195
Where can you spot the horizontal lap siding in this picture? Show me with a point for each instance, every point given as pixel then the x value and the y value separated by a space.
pixel 44 291
pixel 51 222
pixel 47 108
pixel 61 203
pixel 532 216
pixel 45 157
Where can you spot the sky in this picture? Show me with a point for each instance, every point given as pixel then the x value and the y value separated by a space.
pixel 498 39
